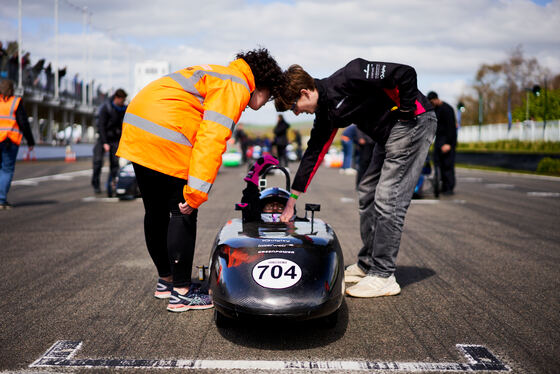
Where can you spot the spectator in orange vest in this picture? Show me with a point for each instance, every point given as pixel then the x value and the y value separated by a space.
pixel 13 126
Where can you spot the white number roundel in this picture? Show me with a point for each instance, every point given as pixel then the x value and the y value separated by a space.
pixel 276 273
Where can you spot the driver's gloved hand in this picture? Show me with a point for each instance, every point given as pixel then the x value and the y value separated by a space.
pixel 259 167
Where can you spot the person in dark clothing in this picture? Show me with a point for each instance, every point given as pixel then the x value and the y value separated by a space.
pixel 445 143
pixel 242 138
pixel 347 139
pixel 383 100
pixel 297 140
pixel 50 78
pixel 109 127
pixel 281 140
pixel 13 125
pixel 4 57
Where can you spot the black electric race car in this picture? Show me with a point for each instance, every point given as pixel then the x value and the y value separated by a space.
pixel 264 269
pixel 127 186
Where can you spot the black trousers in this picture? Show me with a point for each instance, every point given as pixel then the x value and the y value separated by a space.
pixel 446 162
pixel 282 156
pixel 170 235
pixel 98 154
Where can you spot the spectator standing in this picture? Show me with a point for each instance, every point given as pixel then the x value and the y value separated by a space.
pixel 297 140
pixel 242 139
pixel 347 139
pixel 13 126
pixel 109 127
pixel 13 64
pixel 36 72
pixel 175 132
pixel 3 62
pixel 445 143
pixel 50 78
pixel 281 140
pixel 383 100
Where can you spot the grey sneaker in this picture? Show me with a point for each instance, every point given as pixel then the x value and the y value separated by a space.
pixel 375 286
pixel 5 206
pixel 353 274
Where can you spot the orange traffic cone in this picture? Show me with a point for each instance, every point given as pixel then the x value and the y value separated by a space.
pixel 29 155
pixel 70 156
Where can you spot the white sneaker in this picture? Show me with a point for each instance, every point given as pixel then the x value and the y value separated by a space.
pixel 353 274
pixel 375 286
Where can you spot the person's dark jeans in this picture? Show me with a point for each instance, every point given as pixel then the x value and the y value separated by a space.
pixel 8 155
pixel 170 235
pixel 386 189
pixel 347 153
pixel 98 155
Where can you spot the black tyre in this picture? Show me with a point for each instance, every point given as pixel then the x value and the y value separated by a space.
pixel 222 321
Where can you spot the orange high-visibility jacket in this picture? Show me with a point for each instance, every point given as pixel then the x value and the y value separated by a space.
pixel 179 124
pixel 8 124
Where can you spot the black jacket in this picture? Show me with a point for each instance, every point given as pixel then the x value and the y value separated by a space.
pixel 446 132
pixel 23 124
pixel 373 95
pixel 281 133
pixel 109 122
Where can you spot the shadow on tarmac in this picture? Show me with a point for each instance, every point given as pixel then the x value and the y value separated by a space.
pixel 278 335
pixel 35 203
pixel 412 274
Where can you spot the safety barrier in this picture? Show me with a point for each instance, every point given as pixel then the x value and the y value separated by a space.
pixel 526 131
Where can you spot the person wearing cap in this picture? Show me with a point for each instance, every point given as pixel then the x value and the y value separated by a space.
pixel 175 132
pixel 383 100
pixel 109 127
pixel 445 143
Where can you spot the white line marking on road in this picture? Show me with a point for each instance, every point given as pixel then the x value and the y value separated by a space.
pixel 64 176
pixel 92 199
pixel 424 201
pixel 436 201
pixel 346 200
pixel 502 186
pixel 61 354
pixel 470 179
pixel 543 194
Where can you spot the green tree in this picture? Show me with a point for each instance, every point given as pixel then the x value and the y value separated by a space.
pixel 507 81
pixel 537 106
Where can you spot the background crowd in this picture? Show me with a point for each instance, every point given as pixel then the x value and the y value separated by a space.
pixel 40 75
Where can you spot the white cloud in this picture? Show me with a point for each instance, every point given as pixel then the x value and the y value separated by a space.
pixel 445 41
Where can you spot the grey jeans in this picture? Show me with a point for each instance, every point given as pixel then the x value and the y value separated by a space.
pixel 386 189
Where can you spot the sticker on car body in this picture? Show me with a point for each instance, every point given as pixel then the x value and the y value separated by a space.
pixel 276 273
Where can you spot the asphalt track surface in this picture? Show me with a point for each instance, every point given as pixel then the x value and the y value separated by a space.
pixel 477 268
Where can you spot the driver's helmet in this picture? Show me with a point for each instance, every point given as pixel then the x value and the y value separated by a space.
pixel 272 203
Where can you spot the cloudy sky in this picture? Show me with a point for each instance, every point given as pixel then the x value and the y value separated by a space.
pixel 445 40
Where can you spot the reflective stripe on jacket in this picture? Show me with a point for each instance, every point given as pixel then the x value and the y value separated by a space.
pixel 179 124
pixel 8 125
